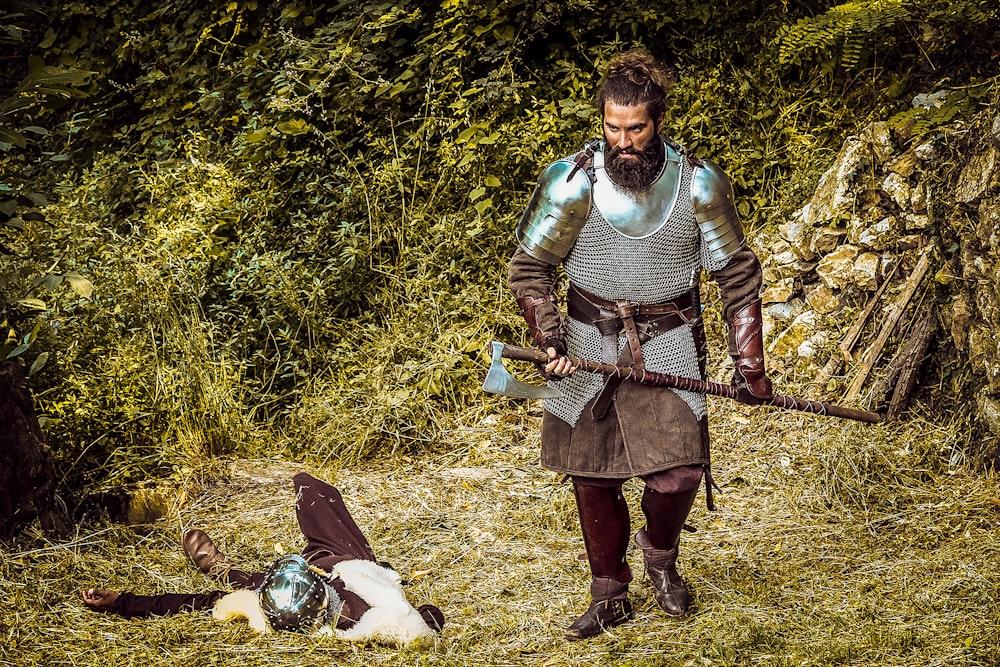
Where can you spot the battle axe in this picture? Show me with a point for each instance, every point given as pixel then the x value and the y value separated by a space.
pixel 499 381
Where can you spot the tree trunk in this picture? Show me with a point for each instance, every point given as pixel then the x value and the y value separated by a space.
pixel 27 481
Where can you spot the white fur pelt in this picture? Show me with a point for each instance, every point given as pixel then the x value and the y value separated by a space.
pixel 241 604
pixel 391 618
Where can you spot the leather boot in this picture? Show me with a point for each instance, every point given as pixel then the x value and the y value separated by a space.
pixel 665 515
pixel 669 589
pixel 206 556
pixel 604 523
pixel 604 612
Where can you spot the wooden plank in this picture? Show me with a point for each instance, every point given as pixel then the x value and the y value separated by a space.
pixel 854 333
pixel 836 362
pixel 874 350
pixel 911 357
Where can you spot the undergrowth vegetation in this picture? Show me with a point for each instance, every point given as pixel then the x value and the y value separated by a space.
pixel 295 218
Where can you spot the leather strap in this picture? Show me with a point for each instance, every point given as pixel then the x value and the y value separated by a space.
pixel 584 301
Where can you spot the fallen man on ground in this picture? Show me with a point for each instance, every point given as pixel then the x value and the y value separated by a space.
pixel 335 587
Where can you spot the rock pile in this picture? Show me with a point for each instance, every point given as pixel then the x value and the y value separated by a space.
pixel 883 204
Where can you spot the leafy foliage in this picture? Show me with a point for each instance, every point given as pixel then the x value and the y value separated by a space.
pixel 42 89
pixel 298 215
pixel 849 36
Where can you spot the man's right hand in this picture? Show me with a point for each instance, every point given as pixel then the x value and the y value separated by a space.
pixel 559 366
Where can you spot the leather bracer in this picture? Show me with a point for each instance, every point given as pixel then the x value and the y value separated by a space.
pixel 747 335
pixel 544 321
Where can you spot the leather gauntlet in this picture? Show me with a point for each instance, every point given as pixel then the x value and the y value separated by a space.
pixel 552 336
pixel 747 335
pixel 548 337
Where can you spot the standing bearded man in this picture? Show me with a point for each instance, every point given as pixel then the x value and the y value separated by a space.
pixel 634 220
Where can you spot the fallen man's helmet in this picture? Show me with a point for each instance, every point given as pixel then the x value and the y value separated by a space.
pixel 295 596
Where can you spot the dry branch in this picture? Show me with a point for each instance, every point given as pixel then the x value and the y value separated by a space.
pixel 871 354
pixel 909 359
pixel 836 362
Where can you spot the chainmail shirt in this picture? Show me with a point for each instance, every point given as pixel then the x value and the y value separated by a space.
pixel 654 269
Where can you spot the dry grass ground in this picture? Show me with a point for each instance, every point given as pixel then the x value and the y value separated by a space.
pixel 835 543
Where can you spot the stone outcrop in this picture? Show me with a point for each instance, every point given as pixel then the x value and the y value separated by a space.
pixel 887 199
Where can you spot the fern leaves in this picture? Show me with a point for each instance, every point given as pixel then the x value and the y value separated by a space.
pixel 844 35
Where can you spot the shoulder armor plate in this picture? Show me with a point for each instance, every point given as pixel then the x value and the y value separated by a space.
pixel 556 213
pixel 712 196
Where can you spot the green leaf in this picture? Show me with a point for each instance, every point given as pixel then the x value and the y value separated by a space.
pixel 467 134
pixel 38 363
pixel 397 89
pixel 49 40
pixel 79 284
pixel 8 136
pixel 482 206
pixel 20 349
pixel 492 181
pixel 293 127
pixel 34 304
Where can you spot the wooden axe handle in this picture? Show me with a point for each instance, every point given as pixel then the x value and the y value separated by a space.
pixel 689 384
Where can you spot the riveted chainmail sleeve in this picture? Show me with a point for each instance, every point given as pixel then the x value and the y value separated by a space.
pixel 739 284
pixel 530 278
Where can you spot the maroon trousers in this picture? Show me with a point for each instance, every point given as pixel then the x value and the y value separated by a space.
pixel 331 536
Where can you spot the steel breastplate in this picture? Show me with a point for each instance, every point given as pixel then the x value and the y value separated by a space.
pixel 638 216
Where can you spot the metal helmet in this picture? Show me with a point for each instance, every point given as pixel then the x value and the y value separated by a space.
pixel 295 597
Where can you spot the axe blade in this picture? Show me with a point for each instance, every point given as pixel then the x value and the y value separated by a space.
pixel 499 381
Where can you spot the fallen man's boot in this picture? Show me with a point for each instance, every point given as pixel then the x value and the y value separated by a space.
pixel 601 616
pixel 202 551
pixel 669 589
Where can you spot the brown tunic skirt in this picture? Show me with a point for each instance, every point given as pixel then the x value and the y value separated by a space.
pixel 646 430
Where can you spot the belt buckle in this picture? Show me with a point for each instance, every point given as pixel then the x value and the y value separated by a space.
pixel 626 309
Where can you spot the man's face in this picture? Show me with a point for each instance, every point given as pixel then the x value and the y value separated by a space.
pixel 635 152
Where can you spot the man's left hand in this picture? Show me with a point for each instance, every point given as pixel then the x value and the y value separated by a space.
pixel 754 387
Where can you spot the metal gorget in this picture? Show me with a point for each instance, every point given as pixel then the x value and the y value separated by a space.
pixel 638 216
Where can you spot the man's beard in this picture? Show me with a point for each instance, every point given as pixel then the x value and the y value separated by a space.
pixel 637 173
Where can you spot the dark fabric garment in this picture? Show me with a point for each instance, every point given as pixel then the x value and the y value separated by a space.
pixel 239 579
pixel 331 536
pixel 739 284
pixel 130 605
pixel 604 523
pixel 665 516
pixel 674 480
pixel 646 430
pixel 331 533
pixel 528 276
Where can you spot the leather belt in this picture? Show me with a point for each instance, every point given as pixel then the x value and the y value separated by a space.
pixel 590 308
pixel 640 321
